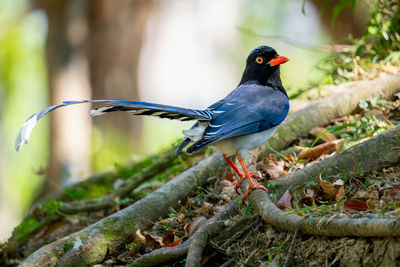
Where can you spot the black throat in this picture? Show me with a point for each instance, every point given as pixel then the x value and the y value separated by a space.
pixel 272 79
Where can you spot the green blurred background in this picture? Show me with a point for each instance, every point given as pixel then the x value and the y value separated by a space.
pixel 186 53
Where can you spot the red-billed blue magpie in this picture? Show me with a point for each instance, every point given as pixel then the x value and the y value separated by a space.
pixel 242 121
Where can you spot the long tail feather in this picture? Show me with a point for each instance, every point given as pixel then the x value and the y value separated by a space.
pixel 137 108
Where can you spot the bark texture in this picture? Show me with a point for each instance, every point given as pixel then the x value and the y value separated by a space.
pixel 375 153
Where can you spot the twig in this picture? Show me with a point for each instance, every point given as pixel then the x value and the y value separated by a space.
pixel 295 43
pixel 228 263
pixel 236 227
pixel 286 263
pixel 385 242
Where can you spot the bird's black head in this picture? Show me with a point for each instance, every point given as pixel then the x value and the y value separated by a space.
pixel 262 66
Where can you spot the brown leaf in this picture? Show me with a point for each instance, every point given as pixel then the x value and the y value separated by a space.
pixel 273 168
pixel 175 243
pixel 340 193
pixel 391 194
pixel 285 202
pixel 328 189
pixel 303 197
pixel 372 204
pixel 317 151
pixel 355 205
pixel 363 195
pixel 146 239
pixel 326 137
pixel 206 207
pixel 332 191
pixel 290 158
pixel 227 175
pixel 168 239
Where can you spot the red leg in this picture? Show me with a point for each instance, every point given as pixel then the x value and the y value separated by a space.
pixel 241 174
pixel 252 185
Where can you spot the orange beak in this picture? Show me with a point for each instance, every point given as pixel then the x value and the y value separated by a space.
pixel 278 60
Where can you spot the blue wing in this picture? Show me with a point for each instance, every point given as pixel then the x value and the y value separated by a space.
pixel 247 110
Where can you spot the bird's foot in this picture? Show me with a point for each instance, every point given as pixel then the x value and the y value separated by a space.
pixel 253 186
pixel 243 176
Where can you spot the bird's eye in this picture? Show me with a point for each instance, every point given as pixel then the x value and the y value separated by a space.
pixel 259 60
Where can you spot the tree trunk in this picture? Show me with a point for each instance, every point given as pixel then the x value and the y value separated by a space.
pixel 116 37
pixel 67 79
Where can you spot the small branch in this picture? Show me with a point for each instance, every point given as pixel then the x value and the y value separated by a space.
pixel 295 43
pixel 235 228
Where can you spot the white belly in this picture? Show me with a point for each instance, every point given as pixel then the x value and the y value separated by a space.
pixel 244 143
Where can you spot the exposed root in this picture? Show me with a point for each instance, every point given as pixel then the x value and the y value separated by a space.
pixel 376 153
pixel 193 247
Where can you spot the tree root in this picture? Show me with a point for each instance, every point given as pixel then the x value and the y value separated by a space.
pixel 192 247
pixel 38 211
pixel 90 245
pixel 199 242
pixel 375 153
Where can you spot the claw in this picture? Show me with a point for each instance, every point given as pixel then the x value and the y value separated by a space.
pixel 242 177
pixel 251 188
pixel 245 175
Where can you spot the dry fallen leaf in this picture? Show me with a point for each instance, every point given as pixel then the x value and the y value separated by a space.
pixel 330 190
pixel 285 202
pixel 340 193
pixel 365 195
pixel 290 158
pixel 355 205
pixel 317 151
pixel 206 207
pixel 303 197
pixel 273 168
pixel 147 239
pixel 168 239
pixel 175 243
pixel 392 194
pixel 326 137
pixel 228 175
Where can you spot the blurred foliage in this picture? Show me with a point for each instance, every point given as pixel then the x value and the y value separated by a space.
pixel 22 89
pixel 375 52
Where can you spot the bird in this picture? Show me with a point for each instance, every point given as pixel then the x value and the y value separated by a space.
pixel 244 120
